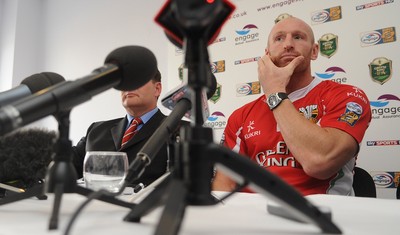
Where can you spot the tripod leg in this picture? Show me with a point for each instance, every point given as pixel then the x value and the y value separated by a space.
pixel 105 198
pixel 153 200
pixel 59 189
pixel 171 218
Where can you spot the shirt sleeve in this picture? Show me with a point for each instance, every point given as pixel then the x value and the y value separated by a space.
pixel 348 109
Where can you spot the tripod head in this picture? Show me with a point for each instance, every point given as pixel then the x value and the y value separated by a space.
pixel 193 25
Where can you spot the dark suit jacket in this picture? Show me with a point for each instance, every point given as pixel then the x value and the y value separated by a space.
pixel 107 136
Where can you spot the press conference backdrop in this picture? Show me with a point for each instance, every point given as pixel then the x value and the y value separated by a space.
pixel 359 46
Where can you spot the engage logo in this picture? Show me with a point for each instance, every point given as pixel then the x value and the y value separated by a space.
pixel 216 120
pixel 381 107
pixel 248 34
pixel 335 74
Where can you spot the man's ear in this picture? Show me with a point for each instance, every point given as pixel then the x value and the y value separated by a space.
pixel 315 51
pixel 158 89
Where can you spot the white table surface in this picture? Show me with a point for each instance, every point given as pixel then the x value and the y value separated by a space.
pixel 242 213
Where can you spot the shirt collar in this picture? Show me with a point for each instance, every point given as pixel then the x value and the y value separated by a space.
pixel 145 117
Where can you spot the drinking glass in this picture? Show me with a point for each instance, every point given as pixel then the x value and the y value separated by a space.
pixel 105 170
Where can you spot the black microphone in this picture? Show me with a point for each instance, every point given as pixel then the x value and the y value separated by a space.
pixel 199 16
pixel 30 85
pixel 25 155
pixel 126 68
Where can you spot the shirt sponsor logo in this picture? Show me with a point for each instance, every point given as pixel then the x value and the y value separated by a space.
pixel 357 93
pixel 273 157
pixel 251 132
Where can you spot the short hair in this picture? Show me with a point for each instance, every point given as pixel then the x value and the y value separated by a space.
pixel 157 77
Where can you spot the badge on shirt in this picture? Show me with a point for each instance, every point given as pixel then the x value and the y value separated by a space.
pixel 352 114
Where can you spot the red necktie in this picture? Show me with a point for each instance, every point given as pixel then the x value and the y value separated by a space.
pixel 131 131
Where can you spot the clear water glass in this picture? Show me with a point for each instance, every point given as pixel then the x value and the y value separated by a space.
pixel 105 170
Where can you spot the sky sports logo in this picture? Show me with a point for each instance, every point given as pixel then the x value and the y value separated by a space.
pixel 383 142
pixel 248 60
pixel 373 4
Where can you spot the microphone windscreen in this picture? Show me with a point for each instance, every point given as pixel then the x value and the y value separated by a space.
pixel 25 156
pixel 40 81
pixel 181 18
pixel 138 65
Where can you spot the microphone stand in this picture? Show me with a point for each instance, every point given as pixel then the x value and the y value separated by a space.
pixel 190 181
pixel 61 174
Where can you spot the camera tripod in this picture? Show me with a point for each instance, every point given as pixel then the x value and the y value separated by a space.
pixel 193 23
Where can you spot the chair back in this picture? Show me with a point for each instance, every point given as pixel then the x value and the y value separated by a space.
pixel 363 184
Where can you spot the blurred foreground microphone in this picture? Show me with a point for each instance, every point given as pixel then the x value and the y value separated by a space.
pixel 30 85
pixel 24 157
pixel 126 68
pixel 198 17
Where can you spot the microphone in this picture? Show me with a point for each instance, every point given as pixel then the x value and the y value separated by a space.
pixel 30 85
pixel 179 101
pixel 183 91
pixel 125 68
pixel 196 16
pixel 24 156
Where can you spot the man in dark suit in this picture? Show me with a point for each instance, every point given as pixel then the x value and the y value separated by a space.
pixel 107 135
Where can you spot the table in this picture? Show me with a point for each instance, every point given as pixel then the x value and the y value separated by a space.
pixel 243 213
